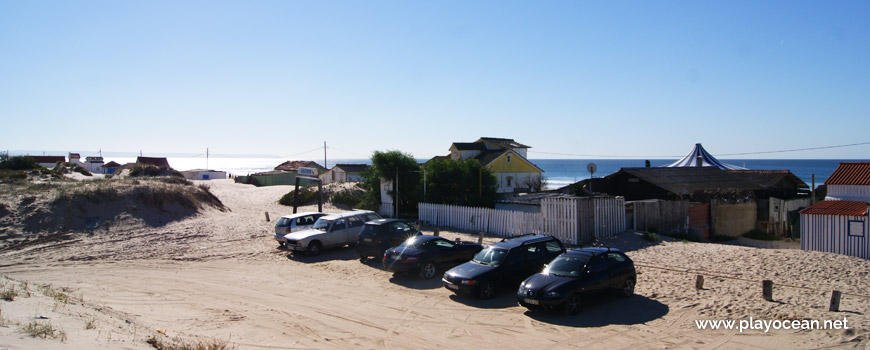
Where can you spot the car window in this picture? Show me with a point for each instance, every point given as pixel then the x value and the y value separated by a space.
pixel 399 227
pixel 596 264
pixel 340 224
pixel 355 221
pixel 536 251
pixel 490 256
pixel 283 222
pixel 370 230
pixel 443 243
pixel 322 224
pixel 514 256
pixel 372 216
pixel 615 259
pixel 553 246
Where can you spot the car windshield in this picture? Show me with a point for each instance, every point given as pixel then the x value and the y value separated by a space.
pixel 283 222
pixel 567 266
pixel 322 224
pixel 490 256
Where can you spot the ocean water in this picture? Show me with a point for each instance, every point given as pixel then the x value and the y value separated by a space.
pixel 557 172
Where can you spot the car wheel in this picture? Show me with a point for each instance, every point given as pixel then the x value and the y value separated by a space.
pixel 486 291
pixel 314 248
pixel 428 270
pixel 627 288
pixel 363 259
pixel 572 305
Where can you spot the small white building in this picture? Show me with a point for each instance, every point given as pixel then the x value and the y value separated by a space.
pixel 836 226
pixel 851 181
pixel 344 173
pixel 94 165
pixel 203 174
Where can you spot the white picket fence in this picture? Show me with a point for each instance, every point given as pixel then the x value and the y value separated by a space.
pixel 503 223
pixel 570 219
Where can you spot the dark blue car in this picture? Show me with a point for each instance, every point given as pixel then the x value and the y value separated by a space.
pixel 425 254
pixel 575 274
pixel 504 263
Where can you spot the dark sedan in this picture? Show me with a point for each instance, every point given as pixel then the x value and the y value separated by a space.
pixel 425 254
pixel 575 274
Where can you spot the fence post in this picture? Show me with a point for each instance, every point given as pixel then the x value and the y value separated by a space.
pixel 480 238
pixel 436 232
pixel 835 301
pixel 699 282
pixel 267 216
pixel 767 290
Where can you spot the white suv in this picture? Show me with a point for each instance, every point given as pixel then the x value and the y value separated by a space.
pixel 296 222
pixel 333 230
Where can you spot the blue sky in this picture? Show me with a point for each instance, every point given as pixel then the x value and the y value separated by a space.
pixel 636 79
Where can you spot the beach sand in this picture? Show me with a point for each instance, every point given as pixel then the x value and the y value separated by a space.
pixel 218 275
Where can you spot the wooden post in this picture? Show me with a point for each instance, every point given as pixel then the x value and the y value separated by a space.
pixel 835 301
pixel 267 217
pixel 436 232
pixel 699 282
pixel 320 188
pixel 296 195
pixel 767 290
pixel 480 238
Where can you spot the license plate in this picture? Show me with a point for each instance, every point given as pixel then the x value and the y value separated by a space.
pixel 367 240
pixel 452 286
pixel 531 301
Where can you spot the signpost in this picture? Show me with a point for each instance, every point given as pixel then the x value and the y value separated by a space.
pixel 591 168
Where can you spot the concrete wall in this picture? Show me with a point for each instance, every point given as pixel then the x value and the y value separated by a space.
pixel 732 219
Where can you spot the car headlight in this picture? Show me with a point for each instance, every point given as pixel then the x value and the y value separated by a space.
pixel 553 294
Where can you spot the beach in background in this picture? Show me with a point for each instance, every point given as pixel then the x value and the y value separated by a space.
pixel 557 172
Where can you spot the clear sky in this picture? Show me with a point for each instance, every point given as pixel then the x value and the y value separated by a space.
pixel 639 79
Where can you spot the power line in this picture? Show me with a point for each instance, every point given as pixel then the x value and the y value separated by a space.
pixel 301 153
pixel 799 149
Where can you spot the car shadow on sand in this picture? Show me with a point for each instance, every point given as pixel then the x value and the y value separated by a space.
pixel 411 280
pixel 345 253
pixel 504 299
pixel 599 311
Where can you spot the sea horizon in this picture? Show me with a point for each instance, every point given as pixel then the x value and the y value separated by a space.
pixel 557 172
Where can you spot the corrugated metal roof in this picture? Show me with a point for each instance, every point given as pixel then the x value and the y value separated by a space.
pixel 469 146
pixel 769 178
pixel 850 208
pixel 155 161
pixel 850 173
pixel 505 143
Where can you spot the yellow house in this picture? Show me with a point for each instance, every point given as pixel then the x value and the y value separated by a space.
pixel 506 158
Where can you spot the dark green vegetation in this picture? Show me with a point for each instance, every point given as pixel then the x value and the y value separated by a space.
pixel 761 235
pixel 393 166
pixel 463 183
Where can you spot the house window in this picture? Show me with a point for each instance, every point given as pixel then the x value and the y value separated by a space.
pixel 856 228
pixel 508 158
pixel 509 178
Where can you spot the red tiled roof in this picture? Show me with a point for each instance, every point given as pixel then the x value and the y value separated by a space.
pixel 850 173
pixel 851 208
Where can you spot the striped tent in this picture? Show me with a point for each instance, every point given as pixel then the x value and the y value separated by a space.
pixel 699 157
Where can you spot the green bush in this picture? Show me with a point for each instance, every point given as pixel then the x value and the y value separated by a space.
pixel 306 196
pixel 18 163
pixel 760 235
pixel 348 198
pixel 651 237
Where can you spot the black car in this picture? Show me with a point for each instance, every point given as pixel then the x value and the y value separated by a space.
pixel 504 263
pixel 575 274
pixel 425 254
pixel 379 235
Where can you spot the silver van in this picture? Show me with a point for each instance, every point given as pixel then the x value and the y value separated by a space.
pixel 329 231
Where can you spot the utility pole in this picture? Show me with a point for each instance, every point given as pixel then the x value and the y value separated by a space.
pixel 396 215
pixel 206 158
pixel 324 155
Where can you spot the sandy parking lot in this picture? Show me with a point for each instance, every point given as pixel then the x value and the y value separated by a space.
pixel 218 275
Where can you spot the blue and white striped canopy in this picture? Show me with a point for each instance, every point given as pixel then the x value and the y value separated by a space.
pixel 699 157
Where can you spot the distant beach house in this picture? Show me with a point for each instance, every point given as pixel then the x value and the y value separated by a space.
pixel 506 159
pixel 284 174
pixel 110 167
pixel 48 161
pixel 344 173
pixel 850 181
pixel 203 174
pixel 161 162
pixel 839 224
